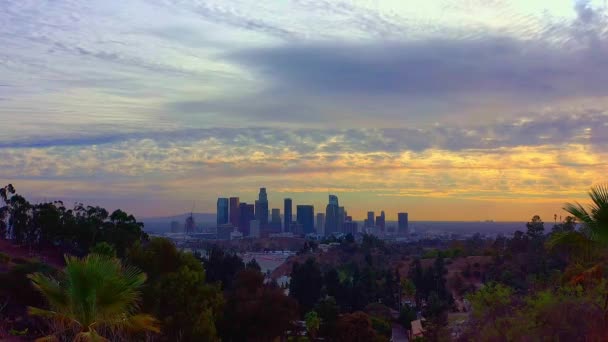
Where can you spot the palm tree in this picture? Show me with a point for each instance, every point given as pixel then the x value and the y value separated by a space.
pixel 95 296
pixel 595 217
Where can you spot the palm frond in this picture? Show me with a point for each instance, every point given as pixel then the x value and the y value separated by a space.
pixel 51 289
pixel 595 217
pixel 96 292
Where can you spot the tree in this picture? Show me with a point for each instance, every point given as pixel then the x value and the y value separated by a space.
pixel 253 264
pixel 305 284
pixel 313 323
pixel 328 313
pixel 406 316
pixel 568 225
pixel 104 248
pixel 177 292
pixel 95 295
pixel 582 245
pixel 255 311
pixel 332 282
pixel 536 227
pixel 595 217
pixel 355 327
pixel 222 267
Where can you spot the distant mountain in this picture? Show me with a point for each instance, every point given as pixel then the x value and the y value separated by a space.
pixel 163 224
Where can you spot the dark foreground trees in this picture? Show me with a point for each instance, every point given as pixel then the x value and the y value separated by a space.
pixel 177 292
pixel 256 311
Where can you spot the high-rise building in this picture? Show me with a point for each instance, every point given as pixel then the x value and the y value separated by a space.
pixel 261 208
pixel 222 211
pixel 190 224
pixel 234 211
pixel 332 213
pixel 320 227
pixel 381 221
pixel 370 219
pixel 306 217
pixel 341 217
pixel 255 228
pixel 276 219
pixel 403 227
pixel 287 215
pixel 350 227
pixel 247 213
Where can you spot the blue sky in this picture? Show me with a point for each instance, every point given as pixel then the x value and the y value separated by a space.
pixel 475 109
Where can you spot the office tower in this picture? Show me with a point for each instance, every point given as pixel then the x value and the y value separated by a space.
pixel 332 212
pixel 381 221
pixel 222 211
pixel 261 208
pixel 247 213
pixel 341 217
pixel 287 215
pixel 370 219
pixel 190 224
pixel 403 227
pixel 320 227
pixel 255 228
pixel 350 227
pixel 276 219
pixel 306 217
pixel 234 211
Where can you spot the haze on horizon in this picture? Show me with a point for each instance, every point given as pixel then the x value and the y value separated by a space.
pixel 447 109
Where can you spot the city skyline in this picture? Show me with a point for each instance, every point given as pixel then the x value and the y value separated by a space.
pixel 455 110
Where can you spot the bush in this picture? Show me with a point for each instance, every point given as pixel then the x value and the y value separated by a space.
pixel 4 259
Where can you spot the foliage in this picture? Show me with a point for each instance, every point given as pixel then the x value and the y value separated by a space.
pixel 223 266
pixel 94 296
pixel 256 312
pixel 305 284
pixel 313 322
pixel 381 326
pixel 595 216
pixel 406 316
pixel 253 264
pixel 76 230
pixel 177 292
pixel 4 259
pixel 536 227
pixel 104 248
pixel 563 314
pixel 355 327
pixel 328 313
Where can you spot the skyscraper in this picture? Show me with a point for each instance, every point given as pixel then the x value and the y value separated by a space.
pixel 247 213
pixel 222 211
pixel 276 219
pixel 341 217
pixel 403 224
pixel 332 212
pixel 234 211
pixel 190 224
pixel 320 227
pixel 370 219
pixel 261 208
pixel 287 215
pixel 306 217
pixel 381 221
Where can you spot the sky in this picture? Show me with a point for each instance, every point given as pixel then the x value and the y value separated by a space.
pixel 446 109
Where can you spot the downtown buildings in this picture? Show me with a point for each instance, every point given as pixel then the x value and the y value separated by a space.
pixel 236 219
